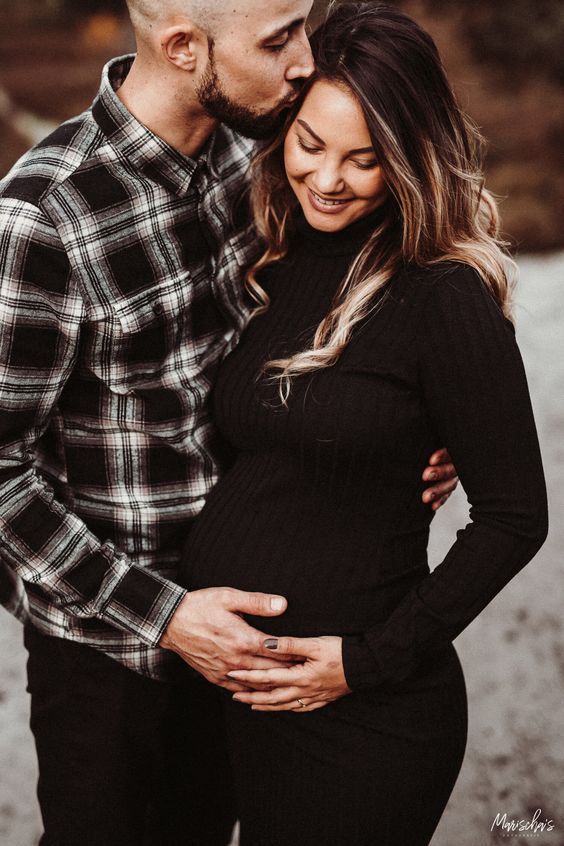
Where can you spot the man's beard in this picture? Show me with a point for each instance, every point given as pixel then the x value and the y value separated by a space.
pixel 241 119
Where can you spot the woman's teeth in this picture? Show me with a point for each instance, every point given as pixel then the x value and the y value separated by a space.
pixel 328 202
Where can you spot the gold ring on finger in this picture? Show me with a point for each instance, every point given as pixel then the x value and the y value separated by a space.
pixel 302 703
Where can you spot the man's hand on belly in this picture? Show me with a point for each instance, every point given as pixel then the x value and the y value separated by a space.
pixel 441 472
pixel 208 633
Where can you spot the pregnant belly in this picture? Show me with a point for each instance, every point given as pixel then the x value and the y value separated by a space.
pixel 264 529
pixel 330 590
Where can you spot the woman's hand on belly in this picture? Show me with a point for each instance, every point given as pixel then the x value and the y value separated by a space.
pixel 316 682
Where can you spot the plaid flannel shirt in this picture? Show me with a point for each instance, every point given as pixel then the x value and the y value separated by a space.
pixel 120 292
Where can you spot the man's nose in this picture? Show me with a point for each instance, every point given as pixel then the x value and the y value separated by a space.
pixel 302 64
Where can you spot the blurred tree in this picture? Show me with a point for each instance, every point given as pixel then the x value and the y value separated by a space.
pixel 521 38
pixel 85 8
pixel 55 9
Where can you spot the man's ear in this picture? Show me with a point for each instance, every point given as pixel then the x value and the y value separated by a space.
pixel 183 44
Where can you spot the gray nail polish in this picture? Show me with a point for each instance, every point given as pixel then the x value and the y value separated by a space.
pixel 271 643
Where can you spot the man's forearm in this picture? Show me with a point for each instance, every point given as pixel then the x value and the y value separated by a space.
pixel 49 546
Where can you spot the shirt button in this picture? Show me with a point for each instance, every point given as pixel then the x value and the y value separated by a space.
pixel 158 308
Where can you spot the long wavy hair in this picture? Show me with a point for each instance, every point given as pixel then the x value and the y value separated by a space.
pixel 431 158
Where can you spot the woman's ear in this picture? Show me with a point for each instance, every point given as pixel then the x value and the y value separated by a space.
pixel 184 45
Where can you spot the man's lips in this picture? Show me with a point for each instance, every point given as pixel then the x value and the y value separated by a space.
pixel 327 206
pixel 289 100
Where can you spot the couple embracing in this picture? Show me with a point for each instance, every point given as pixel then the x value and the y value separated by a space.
pixel 231 372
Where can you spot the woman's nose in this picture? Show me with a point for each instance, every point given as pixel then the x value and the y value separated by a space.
pixel 328 178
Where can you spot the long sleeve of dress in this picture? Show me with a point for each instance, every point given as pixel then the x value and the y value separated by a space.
pixel 475 390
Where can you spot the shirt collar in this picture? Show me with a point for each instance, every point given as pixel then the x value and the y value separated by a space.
pixel 147 152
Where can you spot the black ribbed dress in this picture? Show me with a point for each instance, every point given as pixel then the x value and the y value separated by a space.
pixel 322 504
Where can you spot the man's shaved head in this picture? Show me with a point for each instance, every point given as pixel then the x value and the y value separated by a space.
pixel 238 62
pixel 206 14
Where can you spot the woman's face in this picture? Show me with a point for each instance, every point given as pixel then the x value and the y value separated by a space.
pixel 329 159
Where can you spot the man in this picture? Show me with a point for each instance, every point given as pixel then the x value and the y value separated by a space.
pixel 120 293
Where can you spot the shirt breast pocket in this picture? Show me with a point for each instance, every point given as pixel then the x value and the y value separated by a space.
pixel 236 255
pixel 133 342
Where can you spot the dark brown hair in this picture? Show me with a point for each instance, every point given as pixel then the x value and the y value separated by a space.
pixel 430 155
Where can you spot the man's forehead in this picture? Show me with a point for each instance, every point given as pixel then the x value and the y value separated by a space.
pixel 263 19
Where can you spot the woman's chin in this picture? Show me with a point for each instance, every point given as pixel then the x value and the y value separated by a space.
pixel 326 222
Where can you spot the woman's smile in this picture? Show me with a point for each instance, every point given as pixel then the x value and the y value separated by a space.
pixel 325 205
pixel 330 159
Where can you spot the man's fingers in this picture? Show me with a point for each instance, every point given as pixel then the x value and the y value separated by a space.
pixel 258 604
pixel 440 490
pixel 439 502
pixel 439 473
pixel 440 456
pixel 230 684
pixel 446 488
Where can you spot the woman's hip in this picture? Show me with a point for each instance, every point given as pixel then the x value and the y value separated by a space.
pixel 375 767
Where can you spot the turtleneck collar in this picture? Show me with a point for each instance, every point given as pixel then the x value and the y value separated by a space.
pixel 344 241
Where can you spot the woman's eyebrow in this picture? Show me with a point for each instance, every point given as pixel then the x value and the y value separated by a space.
pixel 308 128
pixel 360 150
pixel 356 152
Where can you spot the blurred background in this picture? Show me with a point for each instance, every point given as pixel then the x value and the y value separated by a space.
pixel 506 61
pixel 505 58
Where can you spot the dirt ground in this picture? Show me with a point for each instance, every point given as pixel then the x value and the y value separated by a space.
pixel 513 654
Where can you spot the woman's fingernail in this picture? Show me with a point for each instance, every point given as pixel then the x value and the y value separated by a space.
pixel 271 643
pixel 276 603
pixel 431 476
pixel 236 697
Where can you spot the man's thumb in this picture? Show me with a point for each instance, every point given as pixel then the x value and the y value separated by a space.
pixel 278 604
pixel 259 604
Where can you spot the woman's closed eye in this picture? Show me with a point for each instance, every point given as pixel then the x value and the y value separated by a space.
pixel 365 165
pixel 306 147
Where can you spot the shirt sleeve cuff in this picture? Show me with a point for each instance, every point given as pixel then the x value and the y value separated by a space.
pixel 360 665
pixel 143 603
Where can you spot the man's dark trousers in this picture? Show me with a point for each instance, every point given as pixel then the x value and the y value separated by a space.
pixel 151 755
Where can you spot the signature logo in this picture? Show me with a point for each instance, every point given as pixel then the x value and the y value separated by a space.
pixel 534 825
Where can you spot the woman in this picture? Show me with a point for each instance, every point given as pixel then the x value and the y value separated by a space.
pixel 382 332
